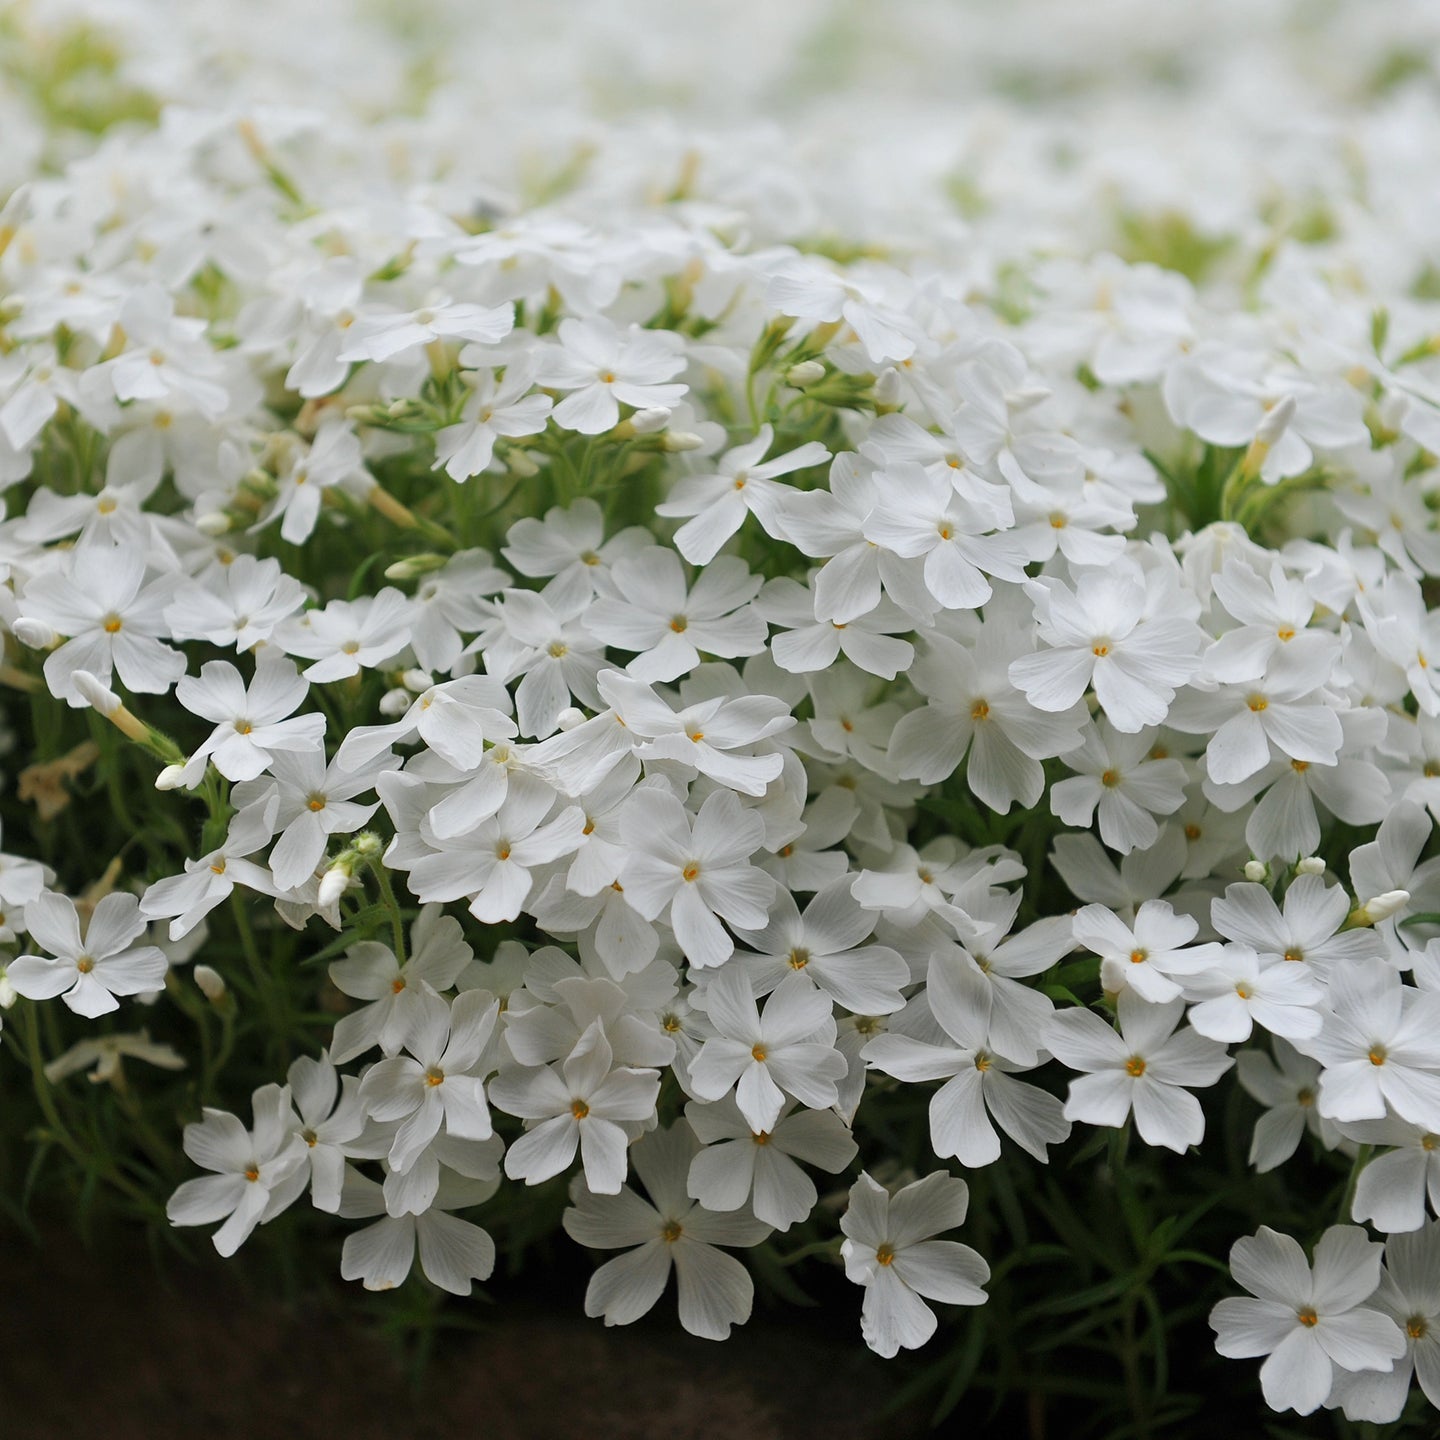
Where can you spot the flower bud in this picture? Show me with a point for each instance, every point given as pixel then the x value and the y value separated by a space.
pixel 172 777
pixel 414 566
pixel 212 983
pixel 650 422
pixel 217 522
pixel 1257 871
pixel 34 633
pixel 1382 907
pixel 1310 865
pixel 887 389
pixel 570 717
pixel 96 694
pixel 518 463
pixel 395 702
pixel 333 884
pixel 807 372
pixel 675 441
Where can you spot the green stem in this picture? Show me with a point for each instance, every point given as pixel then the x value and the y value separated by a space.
pixel 1347 1198
pixel 397 919
pixel 59 1130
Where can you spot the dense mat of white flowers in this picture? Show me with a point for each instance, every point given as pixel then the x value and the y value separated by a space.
pixel 621 555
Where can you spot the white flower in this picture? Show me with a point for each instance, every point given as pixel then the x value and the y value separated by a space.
pixel 1393 1188
pixel 647 609
pixel 702 873
pixel 492 863
pixel 435 1084
pixel 825 945
pixel 604 367
pixel 1146 955
pixel 1287 1089
pixel 1117 774
pixel 979 1088
pixel 87 973
pixel 586 1103
pixel 346 637
pixel 107 1054
pixel 972 703
pixel 1409 1293
pixel 789 1049
pixel 238 604
pixel 1380 1047
pixel 1237 992
pixel 740 1163
pixel 1144 1067
pixel 961 542
pixel 250 721
pixel 743 483
pixel 370 971
pixel 495 409
pixel 453 1252
pixel 1100 634
pixel 670 1231
pixel 325 1125
pixel 889 1251
pixel 113 620
pixel 1307 1324
pixel 1307 932
pixel 259 1172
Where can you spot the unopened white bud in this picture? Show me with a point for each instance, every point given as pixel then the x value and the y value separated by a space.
pixel 418 681
pixel 807 372
pixel 217 522
pixel 677 440
pixel 887 387
pixel 1382 907
pixel 93 692
pixel 650 422
pixel 517 462
pixel 1276 421
pixel 1027 397
pixel 1256 870
pixel 413 566
pixel 34 633
pixel 1310 865
pixel 172 777
pixel 211 982
pixel 333 884
pixel 570 717
pixel 395 702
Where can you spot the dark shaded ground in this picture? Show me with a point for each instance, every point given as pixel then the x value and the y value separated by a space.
pixel 128 1351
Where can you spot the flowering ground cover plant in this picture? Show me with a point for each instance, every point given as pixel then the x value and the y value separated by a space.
pixel 573 702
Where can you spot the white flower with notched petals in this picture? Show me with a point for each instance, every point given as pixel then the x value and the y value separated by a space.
pixel 740 1163
pixel 889 1250
pixel 790 1049
pixel 588 1103
pixel 89 972
pixel 1100 635
pixel 699 868
pixel 1308 1323
pixel 669 1231
pixel 258 1172
pixel 1144 1066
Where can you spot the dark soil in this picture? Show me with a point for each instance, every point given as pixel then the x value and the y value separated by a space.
pixel 109 1348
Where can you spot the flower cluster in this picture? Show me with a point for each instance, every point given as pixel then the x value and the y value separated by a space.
pixel 687 678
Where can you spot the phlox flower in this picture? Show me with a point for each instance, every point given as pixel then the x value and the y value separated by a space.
pixel 1308 1323
pixel 888 1250
pixel 258 1172
pixel 669 1231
